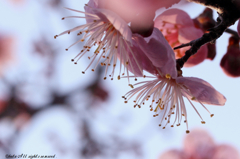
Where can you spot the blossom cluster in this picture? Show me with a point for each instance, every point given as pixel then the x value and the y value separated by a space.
pixel 145 44
pixel 200 145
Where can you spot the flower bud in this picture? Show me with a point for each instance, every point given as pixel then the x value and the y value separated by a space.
pixel 230 62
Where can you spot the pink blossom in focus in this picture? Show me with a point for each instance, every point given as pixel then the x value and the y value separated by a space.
pixel 200 145
pixel 108 32
pixel 167 87
pixel 139 12
pixel 178 28
pixel 6 52
pixel 230 62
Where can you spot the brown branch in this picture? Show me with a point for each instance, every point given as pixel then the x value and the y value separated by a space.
pixel 228 15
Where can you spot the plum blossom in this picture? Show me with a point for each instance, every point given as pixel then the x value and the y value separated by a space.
pixel 167 87
pixel 6 51
pixel 139 12
pixel 200 145
pixel 178 28
pixel 230 62
pixel 108 32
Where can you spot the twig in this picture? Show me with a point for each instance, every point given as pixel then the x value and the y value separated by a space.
pixel 228 15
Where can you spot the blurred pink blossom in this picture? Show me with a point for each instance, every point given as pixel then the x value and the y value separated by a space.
pixel 168 87
pixel 6 51
pixel 18 2
pixel 178 28
pixel 200 145
pixel 230 62
pixel 109 32
pixel 139 12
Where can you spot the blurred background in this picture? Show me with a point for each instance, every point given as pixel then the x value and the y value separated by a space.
pixel 48 107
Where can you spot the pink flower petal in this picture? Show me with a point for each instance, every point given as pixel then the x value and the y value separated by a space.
pixel 140 57
pixel 116 21
pixel 225 152
pixel 199 57
pixel 188 34
pixel 199 144
pixel 174 16
pixel 92 4
pixel 161 53
pixel 238 27
pixel 202 90
pixel 173 154
pixel 138 61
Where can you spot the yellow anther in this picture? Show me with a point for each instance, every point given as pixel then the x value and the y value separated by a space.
pixel 203 122
pixel 168 76
pixel 162 107
pixel 131 85
pixel 119 77
pixel 212 115
pixel 82 40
